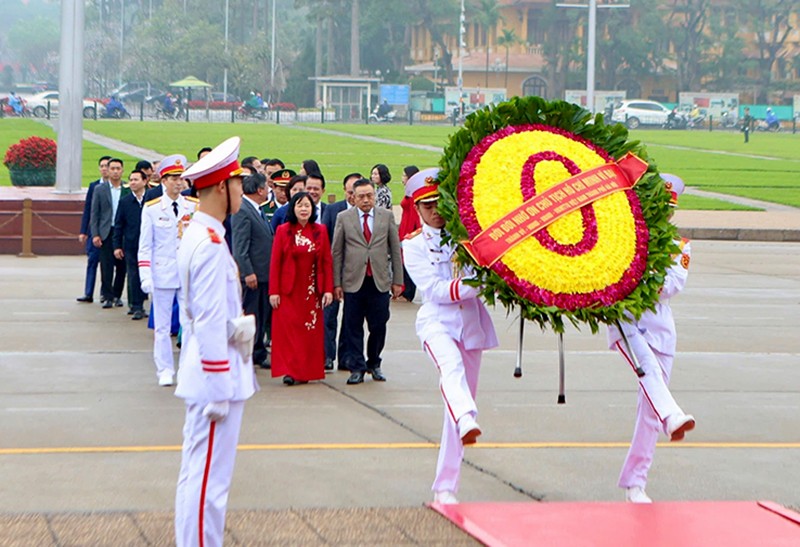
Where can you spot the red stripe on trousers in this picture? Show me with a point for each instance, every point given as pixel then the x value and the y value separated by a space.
pixel 630 362
pixel 205 478
pixel 446 402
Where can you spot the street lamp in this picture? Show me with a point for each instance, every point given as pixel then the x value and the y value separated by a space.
pixel 461 22
pixel 591 41
pixel 225 70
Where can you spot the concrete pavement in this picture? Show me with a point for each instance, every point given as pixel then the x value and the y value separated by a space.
pixel 89 449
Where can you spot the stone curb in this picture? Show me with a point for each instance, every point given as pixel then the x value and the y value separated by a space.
pixel 741 234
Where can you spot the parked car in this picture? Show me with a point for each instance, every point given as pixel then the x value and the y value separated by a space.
pixel 135 96
pixel 38 105
pixel 634 113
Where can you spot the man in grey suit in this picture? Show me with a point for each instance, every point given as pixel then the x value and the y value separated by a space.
pixel 252 247
pixel 366 266
pixel 331 312
pixel 101 221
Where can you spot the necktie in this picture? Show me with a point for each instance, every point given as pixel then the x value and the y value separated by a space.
pixel 367 237
pixel 263 215
pixel 175 208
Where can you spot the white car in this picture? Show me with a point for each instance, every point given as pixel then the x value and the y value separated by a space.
pixel 638 112
pixel 37 104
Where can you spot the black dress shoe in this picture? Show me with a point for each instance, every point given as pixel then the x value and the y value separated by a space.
pixel 108 304
pixel 87 299
pixel 288 380
pixel 130 311
pixel 264 365
pixel 356 378
pixel 377 375
pixel 137 315
pixel 328 364
pixel 118 302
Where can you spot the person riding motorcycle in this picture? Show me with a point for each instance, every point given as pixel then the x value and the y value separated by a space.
pixel 15 102
pixel 169 105
pixel 114 108
pixel 383 109
pixel 772 120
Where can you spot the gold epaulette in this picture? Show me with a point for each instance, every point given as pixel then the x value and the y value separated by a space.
pixel 683 243
pixel 193 200
pixel 153 201
pixel 413 234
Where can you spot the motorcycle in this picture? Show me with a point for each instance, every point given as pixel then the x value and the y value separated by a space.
pixel 676 120
pixel 8 110
pixel 727 121
pixel 246 111
pixel 118 113
pixel 762 125
pixel 386 118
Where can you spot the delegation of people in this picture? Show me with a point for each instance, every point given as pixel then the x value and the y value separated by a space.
pixel 243 266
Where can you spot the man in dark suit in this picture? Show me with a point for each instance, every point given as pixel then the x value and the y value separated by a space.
pixel 315 186
pixel 92 252
pixel 252 248
pixel 127 225
pixel 331 312
pixel 104 209
pixel 366 266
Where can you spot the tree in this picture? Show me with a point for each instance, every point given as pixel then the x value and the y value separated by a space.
pixel 506 40
pixel 487 15
pixel 769 21
pixel 686 24
pixel 440 18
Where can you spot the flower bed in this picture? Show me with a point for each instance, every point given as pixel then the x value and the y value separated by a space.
pixel 529 160
pixel 32 162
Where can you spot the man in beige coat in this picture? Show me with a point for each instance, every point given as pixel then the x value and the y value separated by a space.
pixel 366 267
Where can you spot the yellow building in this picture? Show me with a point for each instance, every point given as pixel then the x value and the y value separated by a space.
pixel 521 68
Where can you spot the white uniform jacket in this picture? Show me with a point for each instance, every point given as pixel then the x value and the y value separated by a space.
pixel 159 238
pixel 658 328
pixel 449 306
pixel 211 369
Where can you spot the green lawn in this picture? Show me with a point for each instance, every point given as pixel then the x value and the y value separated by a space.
pixel 337 156
pixel 12 130
pixel 766 168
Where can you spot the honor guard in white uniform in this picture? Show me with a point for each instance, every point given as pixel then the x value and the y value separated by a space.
pixel 216 373
pixel 164 220
pixel 453 326
pixel 652 340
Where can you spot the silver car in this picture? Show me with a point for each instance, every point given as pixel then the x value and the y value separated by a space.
pixel 37 104
pixel 638 112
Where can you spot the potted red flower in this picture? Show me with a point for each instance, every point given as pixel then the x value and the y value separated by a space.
pixel 32 162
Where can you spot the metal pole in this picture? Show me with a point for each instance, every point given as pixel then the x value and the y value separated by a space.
pixel 462 20
pixel 590 58
pixel 70 90
pixel 637 368
pixel 272 61
pixel 562 396
pixel 518 369
pixel 122 37
pixel 225 71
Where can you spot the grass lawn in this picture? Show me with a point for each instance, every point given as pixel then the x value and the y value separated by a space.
pixel 337 156
pixel 12 130
pixel 765 169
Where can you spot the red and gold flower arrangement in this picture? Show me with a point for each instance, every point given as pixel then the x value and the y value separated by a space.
pixel 525 189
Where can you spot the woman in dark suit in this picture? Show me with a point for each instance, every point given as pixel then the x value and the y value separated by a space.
pixel 301 270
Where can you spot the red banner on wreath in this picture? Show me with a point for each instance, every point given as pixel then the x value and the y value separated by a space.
pixel 543 209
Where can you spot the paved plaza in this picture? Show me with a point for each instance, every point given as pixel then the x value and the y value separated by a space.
pixel 89 444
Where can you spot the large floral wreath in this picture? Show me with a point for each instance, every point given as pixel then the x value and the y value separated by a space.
pixel 593 262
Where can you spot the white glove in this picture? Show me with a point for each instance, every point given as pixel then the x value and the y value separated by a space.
pixel 241 332
pixel 216 411
pixel 147 286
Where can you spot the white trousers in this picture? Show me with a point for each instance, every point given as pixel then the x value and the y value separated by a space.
pixel 207 460
pixel 458 382
pixel 655 403
pixel 162 324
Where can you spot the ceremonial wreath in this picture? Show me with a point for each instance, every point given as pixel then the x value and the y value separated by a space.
pixel 559 214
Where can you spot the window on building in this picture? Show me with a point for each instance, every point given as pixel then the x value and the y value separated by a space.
pixel 536 30
pixel 535 85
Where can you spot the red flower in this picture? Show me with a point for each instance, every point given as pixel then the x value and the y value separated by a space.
pixel 31 153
